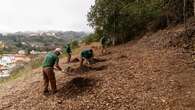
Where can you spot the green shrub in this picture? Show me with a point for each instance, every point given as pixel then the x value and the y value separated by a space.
pixel 74 44
pixel 91 38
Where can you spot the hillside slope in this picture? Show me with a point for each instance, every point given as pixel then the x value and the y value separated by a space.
pixel 139 75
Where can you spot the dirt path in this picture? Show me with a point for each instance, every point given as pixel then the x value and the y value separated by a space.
pixel 131 77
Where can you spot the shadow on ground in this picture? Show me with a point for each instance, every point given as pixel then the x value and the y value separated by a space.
pixel 107 53
pixel 97 60
pixel 77 87
pixel 121 57
pixel 84 69
pixel 88 68
pixel 75 60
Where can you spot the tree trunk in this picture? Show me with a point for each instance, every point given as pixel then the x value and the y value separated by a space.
pixel 194 7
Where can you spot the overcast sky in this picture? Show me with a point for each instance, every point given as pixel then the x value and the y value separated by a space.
pixel 34 15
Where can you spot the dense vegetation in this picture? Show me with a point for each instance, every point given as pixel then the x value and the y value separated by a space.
pixel 122 20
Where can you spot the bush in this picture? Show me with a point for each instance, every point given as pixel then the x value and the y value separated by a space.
pixel 91 38
pixel 74 44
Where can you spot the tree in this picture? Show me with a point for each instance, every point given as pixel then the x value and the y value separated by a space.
pixel 122 18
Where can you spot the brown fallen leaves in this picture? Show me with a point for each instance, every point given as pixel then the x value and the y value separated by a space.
pixel 133 76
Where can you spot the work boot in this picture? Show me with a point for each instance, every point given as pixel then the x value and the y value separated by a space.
pixel 54 92
pixel 45 92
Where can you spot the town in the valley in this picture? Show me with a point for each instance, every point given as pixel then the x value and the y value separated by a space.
pixel 11 62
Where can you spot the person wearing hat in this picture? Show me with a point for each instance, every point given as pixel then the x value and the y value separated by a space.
pixel 69 52
pixel 87 55
pixel 104 42
pixel 51 60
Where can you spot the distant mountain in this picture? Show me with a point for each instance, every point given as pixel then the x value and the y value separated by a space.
pixel 68 35
pixel 42 41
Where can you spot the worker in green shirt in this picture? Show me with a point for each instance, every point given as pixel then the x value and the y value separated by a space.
pixel 69 52
pixel 51 60
pixel 87 55
pixel 103 42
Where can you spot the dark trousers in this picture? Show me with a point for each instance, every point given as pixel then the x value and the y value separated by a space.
pixel 69 58
pixel 49 76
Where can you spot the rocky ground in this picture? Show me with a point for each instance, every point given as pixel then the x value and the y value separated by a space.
pixel 139 75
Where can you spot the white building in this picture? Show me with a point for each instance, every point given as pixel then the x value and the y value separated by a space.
pixel 33 52
pixel 21 52
pixel 6 60
pixel 6 64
